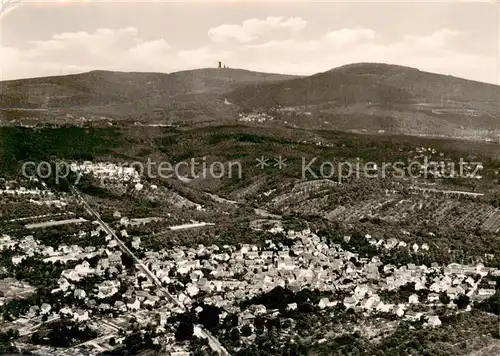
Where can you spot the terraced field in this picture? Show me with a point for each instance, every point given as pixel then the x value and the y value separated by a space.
pixel 449 212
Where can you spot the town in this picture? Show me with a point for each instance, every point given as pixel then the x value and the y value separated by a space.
pixel 106 286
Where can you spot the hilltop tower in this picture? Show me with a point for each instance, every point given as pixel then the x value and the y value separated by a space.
pixel 220 64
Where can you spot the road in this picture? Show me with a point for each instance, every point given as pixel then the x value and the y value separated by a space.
pixel 452 192
pixel 190 226
pixel 213 341
pixel 54 223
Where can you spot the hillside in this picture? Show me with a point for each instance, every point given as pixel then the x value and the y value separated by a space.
pixel 115 94
pixel 376 83
pixel 372 97
pixel 105 87
pixel 363 98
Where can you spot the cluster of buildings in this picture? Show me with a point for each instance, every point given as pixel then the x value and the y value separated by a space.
pixel 121 297
pixel 255 117
pixel 223 276
pixel 443 167
pixel 105 171
pixel 36 196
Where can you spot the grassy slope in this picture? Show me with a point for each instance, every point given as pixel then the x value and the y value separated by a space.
pixel 378 83
pixel 383 97
pixel 104 87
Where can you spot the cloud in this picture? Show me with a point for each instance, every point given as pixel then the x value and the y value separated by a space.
pixel 253 29
pixel 255 46
pixel 435 52
pixel 113 49
pixel 439 38
pixel 349 35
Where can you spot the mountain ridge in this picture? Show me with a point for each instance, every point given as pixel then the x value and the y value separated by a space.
pixel 361 97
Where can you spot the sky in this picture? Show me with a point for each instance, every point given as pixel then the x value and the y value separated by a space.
pixel 40 38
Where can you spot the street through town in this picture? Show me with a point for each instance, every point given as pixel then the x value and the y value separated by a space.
pixel 213 341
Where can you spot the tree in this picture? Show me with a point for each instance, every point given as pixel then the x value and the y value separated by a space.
pixel 259 323
pixel 246 330
pixel 444 298
pixel 235 335
pixel 209 316
pixel 6 346
pixel 462 301
pixel 184 331
pixel 231 320
pixel 127 261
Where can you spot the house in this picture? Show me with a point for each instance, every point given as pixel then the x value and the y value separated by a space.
pixel 136 242
pixel 34 309
pixel 252 255
pixel 452 292
pixel 147 284
pixel 64 285
pixel 107 289
pixel 112 244
pixel 435 287
pixel 433 321
pixel 371 302
pixel 469 269
pixel 413 316
pixel 399 310
pixel 81 315
pixel 45 308
pixel 360 291
pixel 192 290
pixel 413 299
pixel 120 306
pixel 184 299
pixel 391 243
pixel 267 255
pixel 384 308
pixel 453 268
pixel 238 256
pixel 84 269
pixel 135 305
pixel 291 306
pixel 324 303
pixel 258 309
pixel 115 259
pixel 470 281
pixel 80 293
pixel 283 254
pixel 433 297
pixel 163 318
pixel 149 302
pixel 66 311
pixel 350 302
pixel 486 292
pixel 371 271
pixel 195 275
pixel 419 285
pixel 246 248
pixel 286 264
pixel 267 280
pixel 495 273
